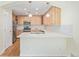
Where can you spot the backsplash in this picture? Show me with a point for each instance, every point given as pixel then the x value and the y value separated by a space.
pixel 67 29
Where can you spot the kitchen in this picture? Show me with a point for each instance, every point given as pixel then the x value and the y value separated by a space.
pixel 39 27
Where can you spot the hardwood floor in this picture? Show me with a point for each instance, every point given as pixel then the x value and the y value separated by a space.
pixel 13 50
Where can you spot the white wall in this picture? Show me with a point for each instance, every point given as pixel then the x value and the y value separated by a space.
pixel 5 29
pixel 1 33
pixel 76 28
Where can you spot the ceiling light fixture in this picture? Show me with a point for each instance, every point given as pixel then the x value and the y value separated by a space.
pixel 47 15
pixel 30 15
pixel 47 3
pixel 29 12
pixel 30 1
pixel 37 9
pixel 25 9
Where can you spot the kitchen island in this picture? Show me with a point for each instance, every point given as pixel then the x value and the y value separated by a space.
pixel 47 44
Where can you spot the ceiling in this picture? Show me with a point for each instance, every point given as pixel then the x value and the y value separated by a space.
pixel 29 7
pixel 4 3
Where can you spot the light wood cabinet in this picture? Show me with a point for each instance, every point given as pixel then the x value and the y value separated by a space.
pixel 54 18
pixel 35 20
pixel 20 19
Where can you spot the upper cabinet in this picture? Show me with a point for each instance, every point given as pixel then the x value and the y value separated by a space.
pixel 35 20
pixel 53 19
pixel 20 19
pixel 54 16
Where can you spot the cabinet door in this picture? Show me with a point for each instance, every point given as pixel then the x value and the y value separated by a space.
pixel 20 20
pixel 36 20
pixel 54 18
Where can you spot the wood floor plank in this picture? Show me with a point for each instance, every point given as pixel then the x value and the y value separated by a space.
pixel 13 50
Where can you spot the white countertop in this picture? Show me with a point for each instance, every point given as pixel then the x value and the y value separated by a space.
pixel 51 35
